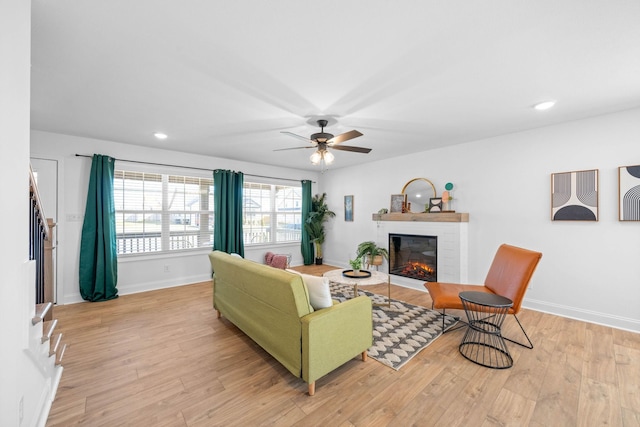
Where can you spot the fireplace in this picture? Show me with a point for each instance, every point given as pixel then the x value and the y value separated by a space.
pixel 414 256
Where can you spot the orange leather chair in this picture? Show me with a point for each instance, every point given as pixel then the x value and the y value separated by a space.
pixel 508 276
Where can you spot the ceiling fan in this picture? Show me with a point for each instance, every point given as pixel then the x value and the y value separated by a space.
pixel 322 141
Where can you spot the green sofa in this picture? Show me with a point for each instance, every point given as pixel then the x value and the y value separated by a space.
pixel 272 307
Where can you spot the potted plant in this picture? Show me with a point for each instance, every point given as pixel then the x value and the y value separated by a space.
pixel 314 224
pixel 356 264
pixel 372 253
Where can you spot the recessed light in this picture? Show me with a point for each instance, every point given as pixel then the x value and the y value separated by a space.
pixel 545 105
pixel 160 135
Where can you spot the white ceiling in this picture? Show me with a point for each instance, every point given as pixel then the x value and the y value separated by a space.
pixel 224 78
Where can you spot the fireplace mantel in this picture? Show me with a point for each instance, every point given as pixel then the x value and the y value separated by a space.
pixel 423 217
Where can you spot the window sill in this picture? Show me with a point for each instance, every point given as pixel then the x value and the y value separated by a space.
pixel 161 254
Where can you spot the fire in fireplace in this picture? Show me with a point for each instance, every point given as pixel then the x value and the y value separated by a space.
pixel 414 256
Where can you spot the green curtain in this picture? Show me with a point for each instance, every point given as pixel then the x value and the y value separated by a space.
pixel 98 252
pixel 227 205
pixel 306 247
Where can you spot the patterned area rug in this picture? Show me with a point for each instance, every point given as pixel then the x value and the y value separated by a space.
pixel 400 331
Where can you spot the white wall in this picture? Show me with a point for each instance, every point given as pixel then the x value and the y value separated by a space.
pixel 140 273
pixel 23 388
pixel 589 270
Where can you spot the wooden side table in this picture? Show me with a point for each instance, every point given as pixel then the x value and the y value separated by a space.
pixel 483 342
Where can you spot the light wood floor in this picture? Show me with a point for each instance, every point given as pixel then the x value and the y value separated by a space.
pixel 162 358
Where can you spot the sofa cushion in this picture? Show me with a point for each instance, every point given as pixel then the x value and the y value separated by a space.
pixel 318 287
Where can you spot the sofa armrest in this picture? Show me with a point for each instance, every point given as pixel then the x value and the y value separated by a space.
pixel 332 336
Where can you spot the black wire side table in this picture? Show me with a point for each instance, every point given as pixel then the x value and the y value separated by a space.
pixel 483 342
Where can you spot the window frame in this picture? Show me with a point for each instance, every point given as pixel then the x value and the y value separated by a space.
pixel 273 212
pixel 166 214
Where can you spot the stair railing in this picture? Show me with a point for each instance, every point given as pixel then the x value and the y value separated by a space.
pixel 40 245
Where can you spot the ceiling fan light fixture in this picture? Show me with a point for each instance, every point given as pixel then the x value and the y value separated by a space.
pixel 328 157
pixel 316 157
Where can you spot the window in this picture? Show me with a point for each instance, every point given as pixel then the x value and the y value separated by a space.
pixel 159 212
pixel 271 213
pixel 162 212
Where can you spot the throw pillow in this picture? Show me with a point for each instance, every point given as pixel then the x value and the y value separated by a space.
pixel 318 287
pixel 268 257
pixel 276 260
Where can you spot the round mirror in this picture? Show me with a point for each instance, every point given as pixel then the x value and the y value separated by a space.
pixel 418 191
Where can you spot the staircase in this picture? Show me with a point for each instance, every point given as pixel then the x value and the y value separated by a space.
pixel 48 327
pixel 45 347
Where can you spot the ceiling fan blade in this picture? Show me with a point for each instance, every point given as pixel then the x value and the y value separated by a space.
pixel 344 137
pixel 304 138
pixel 350 148
pixel 294 148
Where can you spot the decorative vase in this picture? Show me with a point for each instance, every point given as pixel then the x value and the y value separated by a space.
pixel 447 198
pixel 448 206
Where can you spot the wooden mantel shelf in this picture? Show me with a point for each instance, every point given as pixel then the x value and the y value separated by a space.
pixel 423 217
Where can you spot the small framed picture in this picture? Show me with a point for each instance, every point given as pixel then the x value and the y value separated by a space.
pixel 348 208
pixel 629 193
pixel 435 204
pixel 397 201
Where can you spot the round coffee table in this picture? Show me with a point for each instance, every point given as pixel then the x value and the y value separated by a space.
pixel 376 278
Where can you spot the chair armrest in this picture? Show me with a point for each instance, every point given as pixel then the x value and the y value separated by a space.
pixel 332 336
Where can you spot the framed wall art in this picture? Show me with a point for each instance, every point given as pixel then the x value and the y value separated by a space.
pixel 348 208
pixel 629 193
pixel 435 204
pixel 574 196
pixel 397 201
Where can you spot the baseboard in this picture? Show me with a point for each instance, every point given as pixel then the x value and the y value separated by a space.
pixel 56 381
pixel 145 287
pixel 590 316
pixel 44 404
pixel 48 401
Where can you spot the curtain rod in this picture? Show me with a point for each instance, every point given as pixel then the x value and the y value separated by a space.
pixel 191 167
